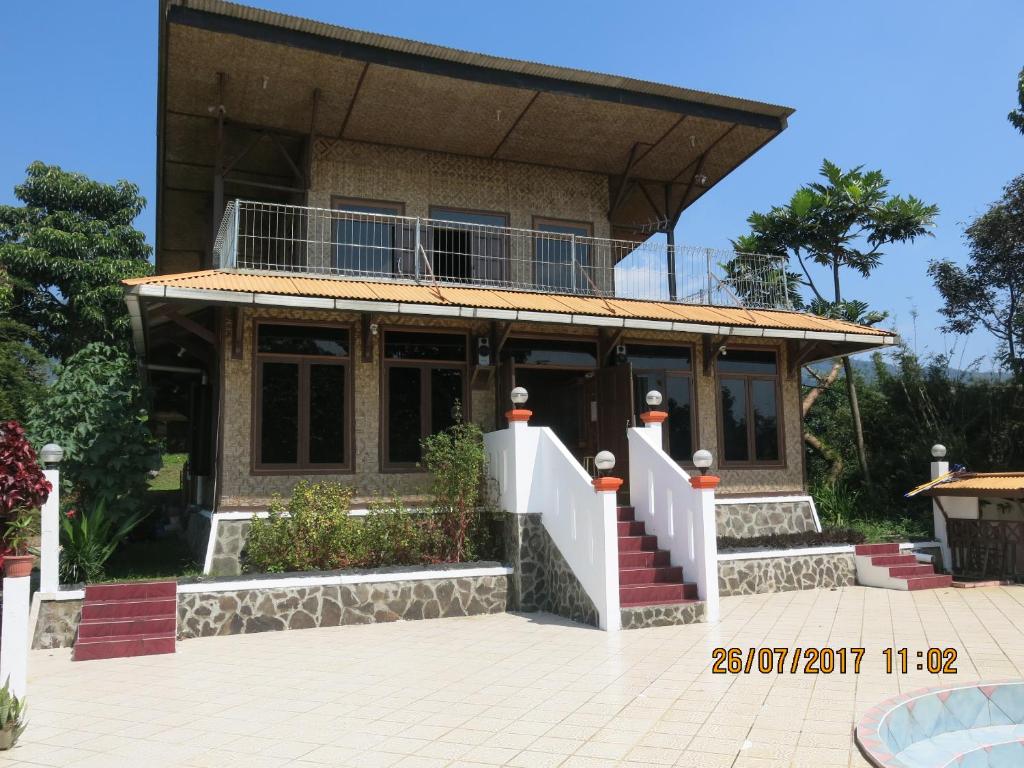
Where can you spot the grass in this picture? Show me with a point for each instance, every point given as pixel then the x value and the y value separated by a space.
pixel 165 558
pixel 169 477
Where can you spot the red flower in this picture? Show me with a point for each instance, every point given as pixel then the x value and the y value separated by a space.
pixel 70 514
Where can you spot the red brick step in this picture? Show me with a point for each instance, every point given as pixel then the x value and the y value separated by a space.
pixel 133 619
pixel 876 549
pixel 643 559
pixel 638 543
pixel 151 625
pixel 662 574
pixel 129 609
pixel 894 560
pixel 625 513
pixel 118 647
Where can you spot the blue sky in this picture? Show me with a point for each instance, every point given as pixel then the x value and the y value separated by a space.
pixel 919 89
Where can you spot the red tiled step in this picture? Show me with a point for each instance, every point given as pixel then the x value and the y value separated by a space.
pixel 624 513
pixel 631 528
pixel 117 647
pixel 153 625
pixel 645 594
pixel 907 571
pixel 129 609
pixel 139 590
pixel 894 560
pixel 643 559
pixel 876 549
pixel 638 543
pixel 667 574
pixel 929 582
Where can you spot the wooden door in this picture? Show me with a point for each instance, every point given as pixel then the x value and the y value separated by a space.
pixel 615 414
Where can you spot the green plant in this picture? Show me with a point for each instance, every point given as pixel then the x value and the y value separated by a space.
pixel 457 459
pixel 20 529
pixel 836 502
pixel 89 539
pixel 827 536
pixel 95 411
pixel 12 717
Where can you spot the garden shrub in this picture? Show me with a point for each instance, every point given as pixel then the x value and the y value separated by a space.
pixel 89 538
pixel 827 537
pixel 22 483
pixel 95 411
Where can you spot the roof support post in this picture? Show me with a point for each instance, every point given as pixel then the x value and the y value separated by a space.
pixel 218 169
pixel 670 250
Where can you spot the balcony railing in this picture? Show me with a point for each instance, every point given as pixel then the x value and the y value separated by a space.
pixel 272 237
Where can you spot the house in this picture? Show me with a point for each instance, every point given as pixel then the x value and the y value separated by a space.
pixel 360 236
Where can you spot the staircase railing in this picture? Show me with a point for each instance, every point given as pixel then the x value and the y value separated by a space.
pixel 681 516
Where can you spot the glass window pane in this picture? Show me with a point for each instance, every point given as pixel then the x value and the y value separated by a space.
pixel 403 415
pixel 279 413
pixel 364 242
pixel 766 420
pixel 747 361
pixel 560 260
pixel 678 404
pixel 734 419
pixel 658 357
pixel 644 382
pixel 551 352
pixel 400 345
pixel 303 340
pixel 327 414
pixel 445 395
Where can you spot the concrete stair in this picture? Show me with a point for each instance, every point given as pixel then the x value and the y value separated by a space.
pixel 882 565
pixel 119 620
pixel 646 575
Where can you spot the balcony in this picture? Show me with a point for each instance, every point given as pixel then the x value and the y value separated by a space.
pixel 276 238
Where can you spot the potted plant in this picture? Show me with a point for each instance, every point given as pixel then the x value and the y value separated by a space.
pixel 12 717
pixel 18 533
pixel 23 489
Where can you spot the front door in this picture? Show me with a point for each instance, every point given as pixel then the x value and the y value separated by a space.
pixel 558 399
pixel 615 414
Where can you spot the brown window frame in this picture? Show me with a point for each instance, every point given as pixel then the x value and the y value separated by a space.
pixel 386 364
pixel 256 465
pixel 752 463
pixel 694 406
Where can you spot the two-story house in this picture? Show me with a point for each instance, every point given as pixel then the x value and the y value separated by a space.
pixel 360 236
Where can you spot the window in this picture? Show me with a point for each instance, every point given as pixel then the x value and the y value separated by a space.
pixel 424 387
pixel 302 398
pixel 473 248
pixel 562 256
pixel 556 352
pixel 366 240
pixel 748 383
pixel 666 369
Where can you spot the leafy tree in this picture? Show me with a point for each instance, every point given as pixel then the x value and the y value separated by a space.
pixel 1016 116
pixel 95 411
pixel 23 369
pixel 65 250
pixel 841 223
pixel 989 291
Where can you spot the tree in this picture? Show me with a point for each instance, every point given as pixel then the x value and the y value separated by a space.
pixel 989 291
pixel 1016 116
pixel 66 251
pixel 841 223
pixel 23 369
pixel 95 411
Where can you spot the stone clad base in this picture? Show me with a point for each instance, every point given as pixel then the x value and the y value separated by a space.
pixel 765 517
pixel 663 615
pixel 57 623
pixel 786 574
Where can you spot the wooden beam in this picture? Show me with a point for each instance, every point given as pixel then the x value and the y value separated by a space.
pixel 712 346
pixel 237 333
pixel 501 333
pixel 626 183
pixel 515 124
pixel 189 325
pixel 352 103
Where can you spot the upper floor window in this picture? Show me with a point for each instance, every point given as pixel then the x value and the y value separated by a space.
pixel 468 246
pixel 303 391
pixel 749 413
pixel 562 256
pixel 366 239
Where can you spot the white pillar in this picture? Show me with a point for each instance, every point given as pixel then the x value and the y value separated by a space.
pixel 940 467
pixel 706 544
pixel 14 637
pixel 524 460
pixel 49 544
pixel 610 616
pixel 652 421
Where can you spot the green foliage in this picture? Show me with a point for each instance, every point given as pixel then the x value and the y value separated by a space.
pixel 20 529
pixel 89 538
pixel 169 476
pixel 826 537
pixel 23 369
pixel 1016 116
pixel 12 713
pixel 65 251
pixel 457 460
pixel 988 293
pixel 95 411
pixel 837 504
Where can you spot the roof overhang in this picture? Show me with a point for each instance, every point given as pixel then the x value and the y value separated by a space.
pixel 979 485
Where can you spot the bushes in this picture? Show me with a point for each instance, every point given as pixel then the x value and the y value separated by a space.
pixel 22 483
pixel 87 540
pixel 827 537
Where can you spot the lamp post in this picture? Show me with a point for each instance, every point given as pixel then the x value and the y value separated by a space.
pixel 940 467
pixel 705 531
pixel 604 461
pixel 652 418
pixel 49 523
pixel 702 460
pixel 518 414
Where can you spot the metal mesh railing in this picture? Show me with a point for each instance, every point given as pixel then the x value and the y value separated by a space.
pixel 272 237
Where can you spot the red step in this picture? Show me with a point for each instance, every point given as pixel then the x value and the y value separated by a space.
pixel 929 582
pixel 643 559
pixel 877 549
pixel 638 543
pixel 129 609
pixel 668 574
pixel 625 513
pixel 631 528
pixel 136 590
pixel 908 571
pixel 894 560
pixel 117 647
pixel 152 625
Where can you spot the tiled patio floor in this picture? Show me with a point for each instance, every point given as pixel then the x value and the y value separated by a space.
pixel 530 690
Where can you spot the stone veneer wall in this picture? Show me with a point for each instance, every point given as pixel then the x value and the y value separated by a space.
pixel 786 574
pixel 646 616
pixel 764 517
pixel 542 579
pixel 197 535
pixel 227 549
pixel 57 623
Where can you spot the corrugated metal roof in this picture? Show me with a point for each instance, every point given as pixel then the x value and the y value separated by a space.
pixel 973 484
pixel 489 298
